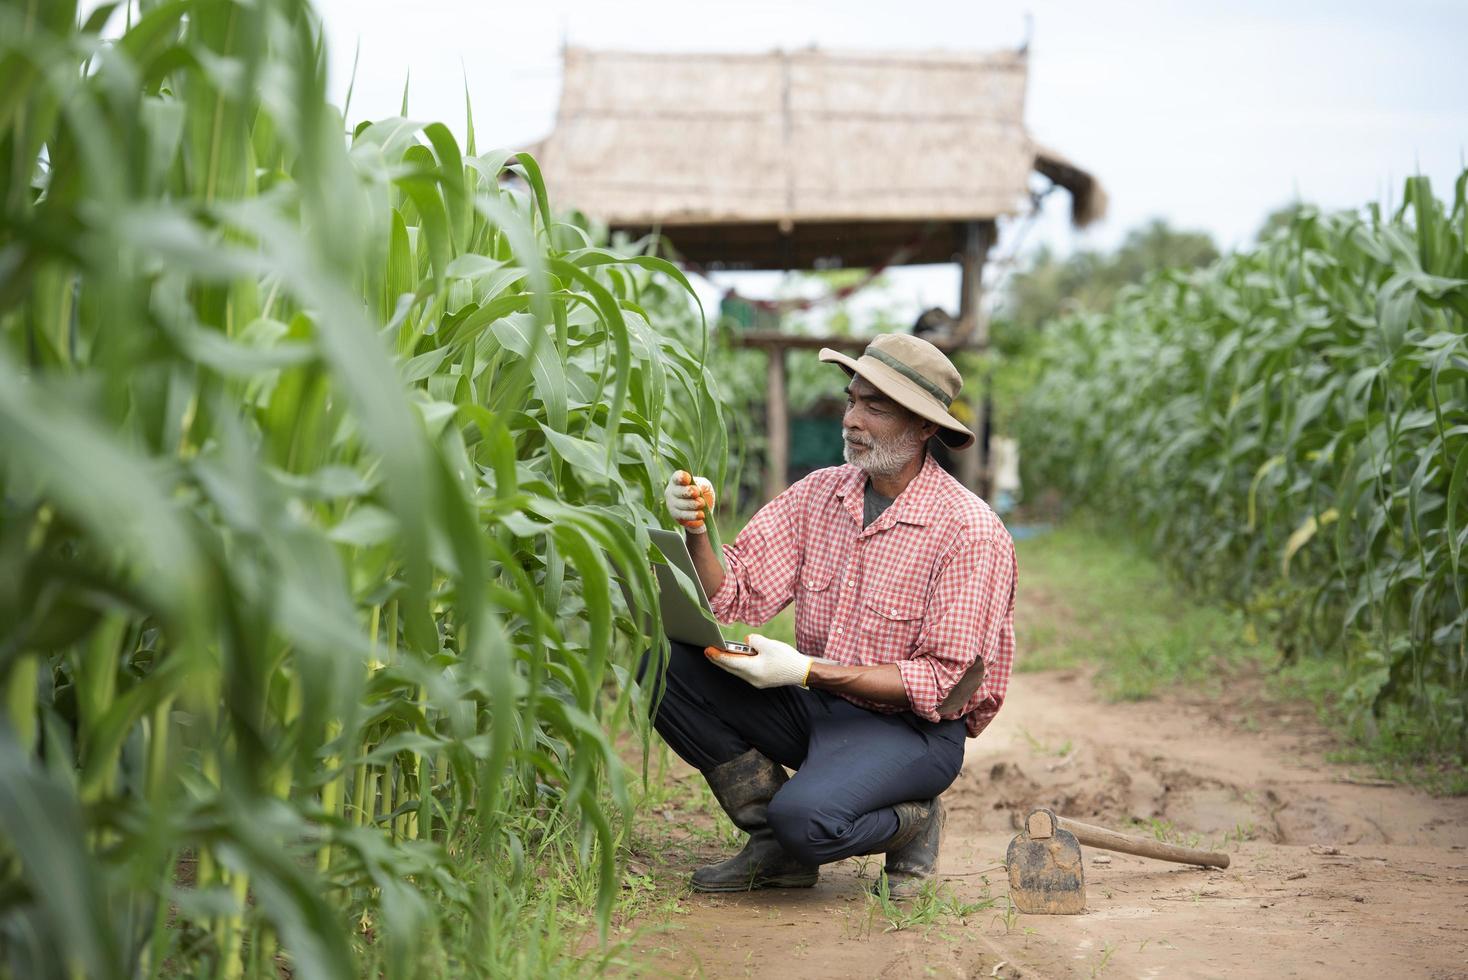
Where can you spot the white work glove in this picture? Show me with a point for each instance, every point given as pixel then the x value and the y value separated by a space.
pixel 773 664
pixel 690 500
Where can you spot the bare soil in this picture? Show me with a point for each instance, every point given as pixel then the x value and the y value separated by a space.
pixel 1333 873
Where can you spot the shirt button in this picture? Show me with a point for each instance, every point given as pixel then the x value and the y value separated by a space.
pixel 851 584
pixel 838 629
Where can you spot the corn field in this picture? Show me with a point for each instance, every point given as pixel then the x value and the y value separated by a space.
pixel 1292 425
pixel 323 457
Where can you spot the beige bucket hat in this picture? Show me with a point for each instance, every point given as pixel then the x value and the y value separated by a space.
pixel 914 374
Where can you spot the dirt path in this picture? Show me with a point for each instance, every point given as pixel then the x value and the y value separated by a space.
pixel 1330 875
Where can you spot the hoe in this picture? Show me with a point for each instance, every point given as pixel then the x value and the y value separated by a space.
pixel 1044 861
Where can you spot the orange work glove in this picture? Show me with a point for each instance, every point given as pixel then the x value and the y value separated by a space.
pixel 690 500
pixel 773 664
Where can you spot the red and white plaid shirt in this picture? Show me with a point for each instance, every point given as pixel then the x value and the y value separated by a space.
pixel 929 586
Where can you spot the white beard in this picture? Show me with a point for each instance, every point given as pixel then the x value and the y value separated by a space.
pixel 883 458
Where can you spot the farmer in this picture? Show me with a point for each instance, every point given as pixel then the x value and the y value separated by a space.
pixel 903 583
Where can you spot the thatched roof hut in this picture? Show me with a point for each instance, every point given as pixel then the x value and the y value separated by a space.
pixel 795 159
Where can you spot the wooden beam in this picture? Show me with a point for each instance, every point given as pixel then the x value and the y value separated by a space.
pixel 808 245
pixel 972 464
pixel 777 426
pixel 773 339
pixel 972 324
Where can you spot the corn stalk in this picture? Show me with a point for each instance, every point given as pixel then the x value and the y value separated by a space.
pixel 1292 425
pixel 324 456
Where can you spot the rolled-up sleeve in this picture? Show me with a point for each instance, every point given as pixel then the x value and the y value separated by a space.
pixel 761 565
pixel 970 609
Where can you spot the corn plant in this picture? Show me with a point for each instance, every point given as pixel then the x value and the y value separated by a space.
pixel 1292 424
pixel 323 456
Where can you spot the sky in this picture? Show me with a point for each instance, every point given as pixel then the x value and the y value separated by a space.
pixel 1209 115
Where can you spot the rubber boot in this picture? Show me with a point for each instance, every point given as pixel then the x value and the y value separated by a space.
pixel 912 853
pixel 744 787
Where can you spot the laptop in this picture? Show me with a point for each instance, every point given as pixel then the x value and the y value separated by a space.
pixel 687 616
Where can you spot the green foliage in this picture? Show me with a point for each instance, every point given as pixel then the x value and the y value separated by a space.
pixel 1122 614
pixel 1127 616
pixel 1048 287
pixel 323 458
pixel 1292 426
pixel 813 389
pixel 934 902
pixel 1279 221
pixel 1089 280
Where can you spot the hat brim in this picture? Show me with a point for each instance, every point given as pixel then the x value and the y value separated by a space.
pixel 902 391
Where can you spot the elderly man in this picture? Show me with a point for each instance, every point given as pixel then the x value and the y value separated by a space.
pixel 903 583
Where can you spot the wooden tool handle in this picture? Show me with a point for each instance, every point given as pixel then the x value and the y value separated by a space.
pixel 1110 840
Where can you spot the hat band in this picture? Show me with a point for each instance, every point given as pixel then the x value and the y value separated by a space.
pixel 912 376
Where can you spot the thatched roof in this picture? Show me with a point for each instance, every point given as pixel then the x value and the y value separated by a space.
pixel 1087 196
pixel 788 158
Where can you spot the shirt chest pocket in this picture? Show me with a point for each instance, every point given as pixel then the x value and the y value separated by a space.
pixel 815 605
pixel 816 578
pixel 890 623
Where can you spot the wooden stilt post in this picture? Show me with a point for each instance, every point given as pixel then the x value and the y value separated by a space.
pixel 973 332
pixel 777 424
pixel 976 238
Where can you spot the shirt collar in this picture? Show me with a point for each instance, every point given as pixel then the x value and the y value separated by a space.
pixel 914 505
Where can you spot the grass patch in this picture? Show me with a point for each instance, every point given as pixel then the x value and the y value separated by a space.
pixel 1092 597
pixel 1394 744
pixel 933 903
pixel 1088 597
pixel 526 912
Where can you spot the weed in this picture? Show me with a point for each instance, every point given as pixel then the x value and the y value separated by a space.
pixel 1044 749
pixel 934 901
pixel 1240 833
pixel 1166 831
pixel 1009 917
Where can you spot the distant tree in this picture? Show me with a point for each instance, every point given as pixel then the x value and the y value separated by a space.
pixel 1156 246
pixel 1049 286
pixel 1279 219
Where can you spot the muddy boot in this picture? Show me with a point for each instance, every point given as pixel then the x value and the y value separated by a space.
pixel 912 853
pixel 744 787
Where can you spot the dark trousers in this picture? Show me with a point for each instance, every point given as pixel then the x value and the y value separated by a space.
pixel 852 764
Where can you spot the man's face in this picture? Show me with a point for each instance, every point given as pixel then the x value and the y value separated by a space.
pixel 881 437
